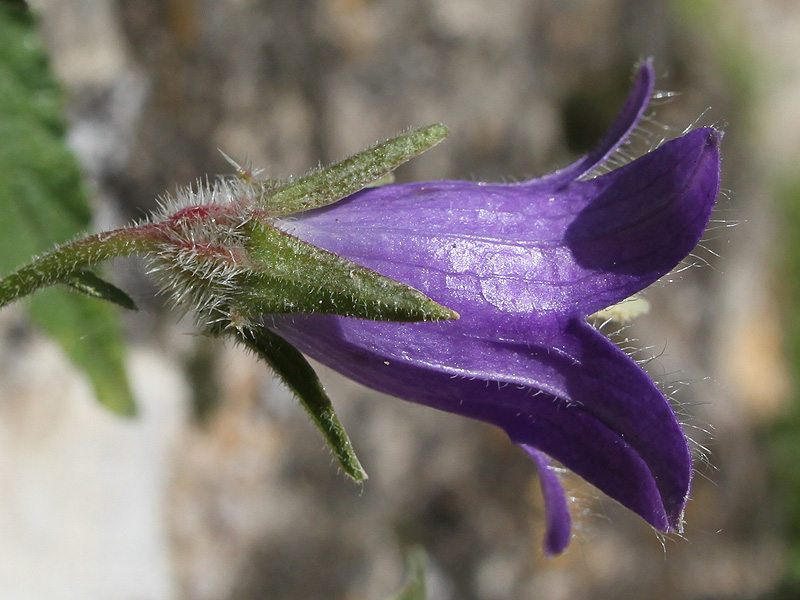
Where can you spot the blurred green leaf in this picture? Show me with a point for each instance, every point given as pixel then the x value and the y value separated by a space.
pixel 43 202
pixel 414 589
pixel 783 437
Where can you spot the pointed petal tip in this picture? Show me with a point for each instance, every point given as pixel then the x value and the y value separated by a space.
pixel 645 69
pixel 555 546
pixel 626 121
pixel 558 523
pixel 705 141
pixel 709 136
pixel 650 213
pixel 667 512
pixel 713 136
pixel 676 517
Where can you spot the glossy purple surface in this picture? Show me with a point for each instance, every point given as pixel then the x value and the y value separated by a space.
pixel 524 264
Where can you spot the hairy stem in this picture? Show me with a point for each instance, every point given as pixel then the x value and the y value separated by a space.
pixel 58 265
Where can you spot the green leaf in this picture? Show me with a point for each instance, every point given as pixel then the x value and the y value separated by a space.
pixel 84 333
pixel 292 367
pixel 299 277
pixel 414 589
pixel 88 283
pixel 18 4
pixel 327 185
pixel 43 202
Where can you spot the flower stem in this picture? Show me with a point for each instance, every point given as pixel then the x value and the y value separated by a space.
pixel 60 264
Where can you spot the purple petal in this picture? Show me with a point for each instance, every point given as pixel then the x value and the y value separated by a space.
pixel 558 522
pixel 644 218
pixel 524 264
pixel 580 400
pixel 611 387
pixel 622 126
pixel 506 256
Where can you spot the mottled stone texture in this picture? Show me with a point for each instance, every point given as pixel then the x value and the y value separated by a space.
pixel 245 502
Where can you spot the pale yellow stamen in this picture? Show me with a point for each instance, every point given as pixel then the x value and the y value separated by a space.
pixel 625 311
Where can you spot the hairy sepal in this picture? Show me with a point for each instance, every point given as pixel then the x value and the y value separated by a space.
pixel 298 375
pixel 293 276
pixel 87 282
pixel 330 184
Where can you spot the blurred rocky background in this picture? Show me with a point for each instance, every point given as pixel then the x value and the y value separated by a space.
pixel 221 489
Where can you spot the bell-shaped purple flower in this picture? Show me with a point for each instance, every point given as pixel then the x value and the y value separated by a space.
pixel 524 264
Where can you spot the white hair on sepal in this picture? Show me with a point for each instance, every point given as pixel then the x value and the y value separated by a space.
pixel 194 283
pixel 221 192
pixel 243 171
pixel 200 263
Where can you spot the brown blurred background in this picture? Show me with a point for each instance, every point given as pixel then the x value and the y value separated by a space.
pixel 222 489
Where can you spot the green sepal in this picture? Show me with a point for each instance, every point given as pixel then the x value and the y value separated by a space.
pixel 86 282
pixel 295 371
pixel 387 179
pixel 329 184
pixel 295 276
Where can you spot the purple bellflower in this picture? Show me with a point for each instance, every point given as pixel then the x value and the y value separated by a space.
pixel 524 264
